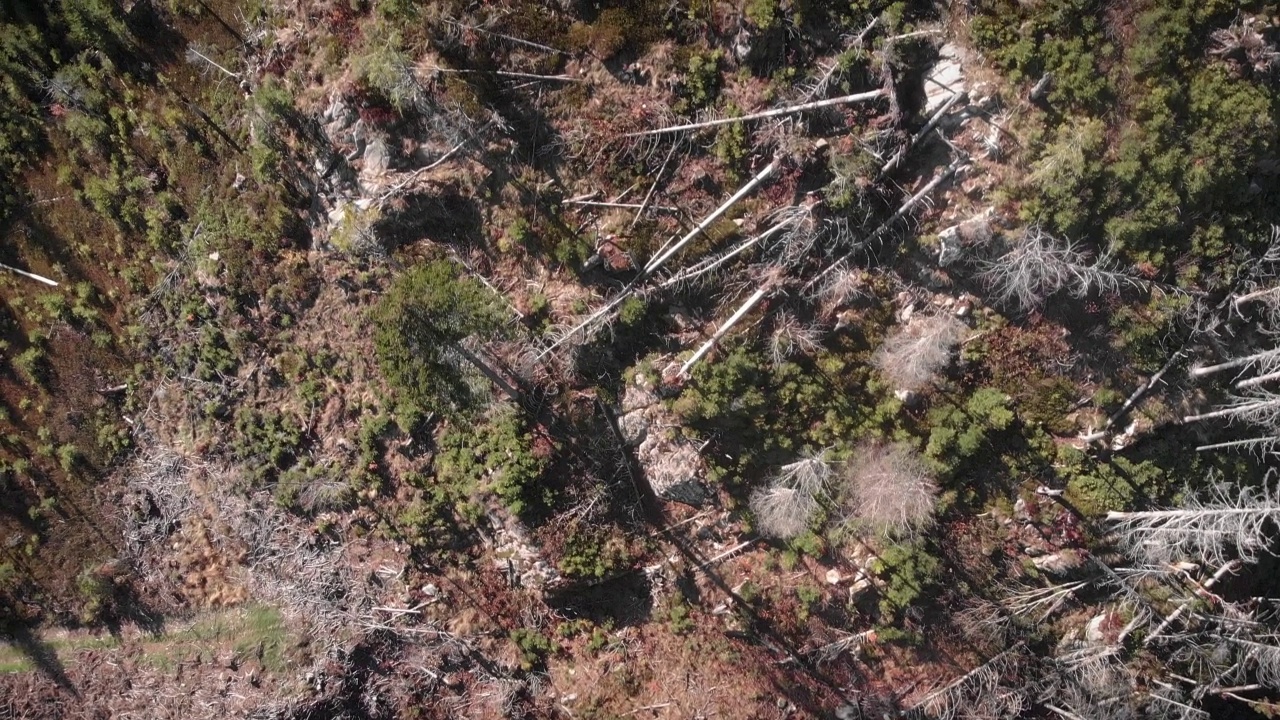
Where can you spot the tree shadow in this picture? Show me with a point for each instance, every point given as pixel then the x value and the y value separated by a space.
pixel 162 42
pixel 41 654
pixel 625 601
pixel 760 632
pixel 128 608
pixel 448 217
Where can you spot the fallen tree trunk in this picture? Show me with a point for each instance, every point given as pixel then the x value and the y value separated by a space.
pixel 763 175
pixel 751 302
pixel 779 112
pixel 33 276
pixel 1236 362
pixel 884 227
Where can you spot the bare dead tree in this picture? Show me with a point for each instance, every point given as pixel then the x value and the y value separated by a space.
pixel 1185 605
pixel 764 115
pixel 1264 445
pixel 786 506
pixel 30 275
pixel 983 692
pixel 844 287
pixel 986 622
pixel 1038 604
pixel 1265 361
pixel 784 220
pixel 1232 522
pixel 1257 408
pixel 890 489
pixel 1040 265
pixel 913 355
pixel 1092 683
pixel 668 251
pixel 848 642
pixel 64 89
pixel 800 233
pixel 724 329
pixel 792 337
pixel 1170 702
pixel 197 55
pixel 820 281
pixel 664 254
pixel 1259 285
pixel 901 154
pixel 1134 398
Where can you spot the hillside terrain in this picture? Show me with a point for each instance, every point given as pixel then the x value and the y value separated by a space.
pixel 639 359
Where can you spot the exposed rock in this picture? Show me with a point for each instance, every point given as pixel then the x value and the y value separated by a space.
pixel 338 117
pixel 377 157
pixel 612 256
pixel 848 712
pixel 671 462
pixel 634 428
pixel 345 211
pixel 521 559
pixel 859 587
pixel 742 45
pixel 673 467
pixel 1098 629
pixel 956 241
pixel 1041 89
pixel 1061 562
pixel 945 79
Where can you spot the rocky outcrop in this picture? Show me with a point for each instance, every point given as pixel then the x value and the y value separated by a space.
pixel 671 462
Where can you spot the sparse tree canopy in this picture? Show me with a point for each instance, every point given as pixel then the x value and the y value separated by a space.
pixel 890 490
pixel 914 355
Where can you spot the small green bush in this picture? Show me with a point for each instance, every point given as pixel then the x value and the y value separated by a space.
pixel 32 364
pixel 910 572
pixel 701 83
pixel 494 456
pixel 678 619
pixel 534 648
pixel 591 554
pixel 957 433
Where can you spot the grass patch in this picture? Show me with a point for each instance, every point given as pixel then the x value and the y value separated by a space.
pixel 255 632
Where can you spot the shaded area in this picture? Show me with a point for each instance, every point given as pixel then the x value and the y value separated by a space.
pixel 41 654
